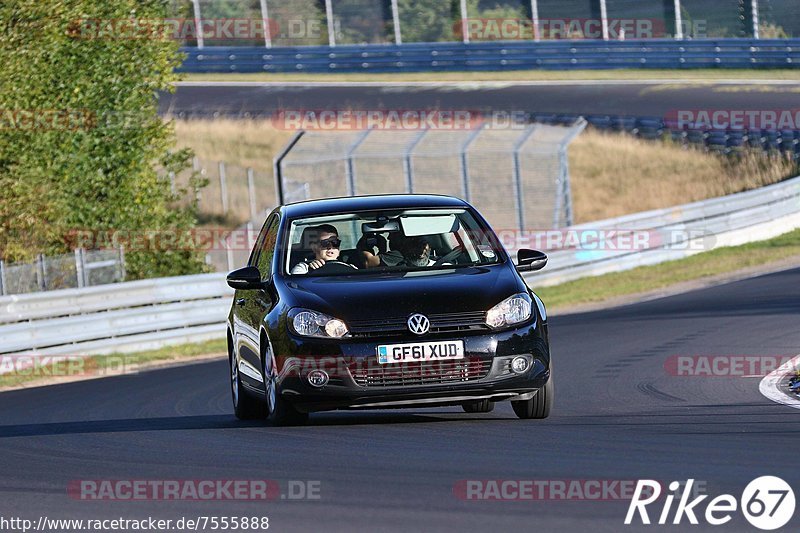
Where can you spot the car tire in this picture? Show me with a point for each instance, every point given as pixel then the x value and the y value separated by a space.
pixel 245 407
pixel 478 406
pixel 284 414
pixel 537 407
pixel 279 411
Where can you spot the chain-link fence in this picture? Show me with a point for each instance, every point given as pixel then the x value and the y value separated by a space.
pixel 83 268
pixel 291 23
pixel 234 194
pixel 517 177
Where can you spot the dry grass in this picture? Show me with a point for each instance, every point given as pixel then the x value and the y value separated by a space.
pixel 611 174
pixel 241 142
pixel 614 175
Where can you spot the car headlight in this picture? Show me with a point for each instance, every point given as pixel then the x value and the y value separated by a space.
pixel 310 323
pixel 512 310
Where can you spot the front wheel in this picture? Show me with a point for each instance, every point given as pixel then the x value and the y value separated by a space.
pixel 245 407
pixel 280 411
pixel 537 407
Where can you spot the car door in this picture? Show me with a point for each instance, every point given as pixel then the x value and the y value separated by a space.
pixel 255 304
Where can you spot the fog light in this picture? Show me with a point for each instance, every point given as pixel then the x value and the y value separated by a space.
pixel 519 365
pixel 317 378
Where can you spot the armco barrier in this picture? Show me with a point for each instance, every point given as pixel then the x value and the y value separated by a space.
pixel 506 55
pixel 152 313
pixel 727 221
pixel 120 317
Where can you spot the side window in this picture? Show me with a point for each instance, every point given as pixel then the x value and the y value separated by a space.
pixel 266 249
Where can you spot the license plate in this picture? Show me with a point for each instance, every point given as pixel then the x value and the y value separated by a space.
pixel 420 351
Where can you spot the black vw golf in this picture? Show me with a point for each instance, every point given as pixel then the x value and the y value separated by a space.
pixel 379 302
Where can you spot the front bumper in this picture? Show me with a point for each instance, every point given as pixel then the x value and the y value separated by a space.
pixel 355 380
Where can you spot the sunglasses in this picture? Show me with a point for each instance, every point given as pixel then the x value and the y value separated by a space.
pixel 327 244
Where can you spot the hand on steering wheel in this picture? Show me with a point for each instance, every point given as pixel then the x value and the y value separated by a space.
pixel 449 256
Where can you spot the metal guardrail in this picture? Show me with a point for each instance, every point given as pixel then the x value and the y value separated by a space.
pixel 691 228
pixel 495 56
pixel 147 314
pixel 122 317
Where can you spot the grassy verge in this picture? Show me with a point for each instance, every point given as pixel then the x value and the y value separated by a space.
pixel 57 368
pixel 649 278
pixel 516 75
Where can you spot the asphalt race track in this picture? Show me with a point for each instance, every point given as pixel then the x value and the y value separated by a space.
pixel 198 99
pixel 619 415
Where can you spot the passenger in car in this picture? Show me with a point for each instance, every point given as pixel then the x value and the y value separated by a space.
pixel 417 252
pixel 405 251
pixel 325 244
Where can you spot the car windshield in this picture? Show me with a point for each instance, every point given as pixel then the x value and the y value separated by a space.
pixel 396 240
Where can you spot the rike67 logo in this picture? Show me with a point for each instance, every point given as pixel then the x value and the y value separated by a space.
pixel 767 503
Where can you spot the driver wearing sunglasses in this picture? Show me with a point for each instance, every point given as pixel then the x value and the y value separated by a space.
pixel 324 242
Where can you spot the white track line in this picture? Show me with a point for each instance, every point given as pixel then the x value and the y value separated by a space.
pixel 475 84
pixel 769 385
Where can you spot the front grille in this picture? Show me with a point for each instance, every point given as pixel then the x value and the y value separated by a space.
pixel 440 323
pixel 367 374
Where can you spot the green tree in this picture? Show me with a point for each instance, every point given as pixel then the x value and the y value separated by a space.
pixel 81 144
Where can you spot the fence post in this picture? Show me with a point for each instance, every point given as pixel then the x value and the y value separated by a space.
pixel 398 38
pixel 3 289
pixel 331 23
pixel 196 168
pixel 122 272
pixel 464 23
pixel 79 268
pixel 408 169
pixel 755 16
pixel 251 192
pixel 229 253
pixel 351 171
pixel 198 23
pixel 265 22
pixel 277 165
pixel 465 185
pixel 604 18
pixel 565 190
pixel 40 274
pixel 535 20
pixel 223 187
pixel 678 20
pixel 172 183
pixel 518 191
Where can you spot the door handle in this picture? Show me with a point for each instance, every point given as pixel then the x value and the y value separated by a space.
pixel 240 301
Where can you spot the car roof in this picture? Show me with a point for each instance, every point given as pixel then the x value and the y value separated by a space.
pixel 367 203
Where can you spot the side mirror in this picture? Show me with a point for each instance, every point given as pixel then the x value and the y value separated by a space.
pixel 245 278
pixel 530 260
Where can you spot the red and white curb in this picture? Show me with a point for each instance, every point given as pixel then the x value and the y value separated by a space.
pixel 770 385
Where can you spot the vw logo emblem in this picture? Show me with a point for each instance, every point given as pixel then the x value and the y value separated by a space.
pixel 419 324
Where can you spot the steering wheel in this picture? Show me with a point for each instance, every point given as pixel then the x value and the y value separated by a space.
pixel 449 256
